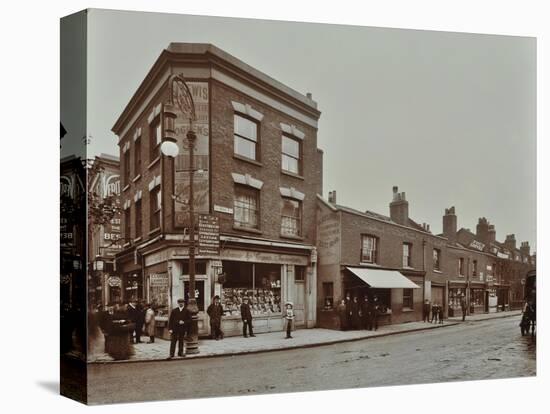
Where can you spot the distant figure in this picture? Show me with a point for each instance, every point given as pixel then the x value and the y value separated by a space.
pixel 349 322
pixel 440 313
pixel 289 317
pixel 375 312
pixel 355 313
pixel 135 314
pixel 215 312
pixel 435 312
pixel 426 310
pixel 246 316
pixel 366 312
pixel 342 315
pixel 178 325
pixel 463 307
pixel 150 323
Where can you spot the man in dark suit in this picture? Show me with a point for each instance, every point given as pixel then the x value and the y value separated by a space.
pixel 136 315
pixel 178 325
pixel 426 310
pixel 246 316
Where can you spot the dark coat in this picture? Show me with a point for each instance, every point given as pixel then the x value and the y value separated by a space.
pixel 426 308
pixel 366 309
pixel 176 316
pixel 215 312
pixel 136 314
pixel 246 315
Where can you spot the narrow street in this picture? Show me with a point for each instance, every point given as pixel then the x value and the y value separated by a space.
pixel 471 351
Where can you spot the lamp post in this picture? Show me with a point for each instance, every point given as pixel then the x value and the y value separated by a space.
pixel 180 97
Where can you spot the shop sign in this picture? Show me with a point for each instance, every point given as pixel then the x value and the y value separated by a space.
pixel 222 209
pixel 155 258
pixel 503 255
pixel 114 281
pixel 263 257
pixel 209 235
pixel 158 280
pixel 477 245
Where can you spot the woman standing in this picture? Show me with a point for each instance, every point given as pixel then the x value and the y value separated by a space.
pixel 150 323
pixel 289 316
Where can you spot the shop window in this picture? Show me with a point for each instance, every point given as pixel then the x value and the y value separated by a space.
pixel 437 259
pixel 137 156
pixel 369 248
pixel 474 268
pixel 407 298
pixel 158 293
pixel 260 283
pixel 407 250
pixel 384 299
pixel 291 155
pixel 291 217
pixel 154 207
pixel 138 218
pixel 245 137
pixel 455 296
pixel 132 286
pixel 155 138
pixel 328 295
pixel 246 207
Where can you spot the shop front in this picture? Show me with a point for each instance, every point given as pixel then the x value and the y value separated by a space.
pixel 477 298
pixel 457 291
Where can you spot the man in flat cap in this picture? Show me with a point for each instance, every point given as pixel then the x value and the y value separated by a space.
pixel 178 325
pixel 215 312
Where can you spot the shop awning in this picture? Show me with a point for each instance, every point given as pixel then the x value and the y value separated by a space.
pixel 385 279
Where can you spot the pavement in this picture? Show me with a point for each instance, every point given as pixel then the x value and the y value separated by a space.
pixel 275 341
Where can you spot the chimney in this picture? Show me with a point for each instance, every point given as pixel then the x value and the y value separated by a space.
pixel 510 241
pixel 482 230
pixel 525 249
pixel 332 197
pixel 309 95
pixel 399 208
pixel 450 224
pixel 492 234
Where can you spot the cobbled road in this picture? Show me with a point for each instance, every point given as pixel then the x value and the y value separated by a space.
pixel 470 351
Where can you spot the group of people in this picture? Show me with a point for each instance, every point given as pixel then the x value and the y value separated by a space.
pixel 355 314
pixel 432 313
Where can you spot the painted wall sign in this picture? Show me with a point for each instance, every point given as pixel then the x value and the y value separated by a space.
pixel 158 280
pixel 223 209
pixel 263 257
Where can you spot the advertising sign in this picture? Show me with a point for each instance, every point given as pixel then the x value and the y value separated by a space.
pixel 209 235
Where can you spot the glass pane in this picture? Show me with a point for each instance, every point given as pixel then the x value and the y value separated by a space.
pixel 290 164
pixel 291 147
pixel 159 133
pixel 246 128
pixel 245 147
pixel 291 208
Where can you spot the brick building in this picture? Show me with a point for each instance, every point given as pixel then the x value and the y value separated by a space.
pixel 258 170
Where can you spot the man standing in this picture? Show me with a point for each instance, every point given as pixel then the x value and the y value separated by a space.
pixel 366 312
pixel 136 315
pixel 215 312
pixel 435 312
pixel 349 322
pixel 178 324
pixel 463 306
pixel 246 316
pixel 375 313
pixel 426 310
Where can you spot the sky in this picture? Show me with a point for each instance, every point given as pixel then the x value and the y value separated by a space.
pixel 450 118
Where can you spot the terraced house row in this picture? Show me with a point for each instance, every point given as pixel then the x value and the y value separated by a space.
pixel 259 173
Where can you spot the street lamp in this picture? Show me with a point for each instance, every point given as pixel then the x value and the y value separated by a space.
pixel 180 97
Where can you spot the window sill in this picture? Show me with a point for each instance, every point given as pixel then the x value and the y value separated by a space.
pixel 246 159
pixel 291 237
pixel 247 229
pixel 291 174
pixel 153 162
pixel 438 271
pixel 136 178
pixel 368 264
pixel 408 268
pixel 126 244
pixel 138 239
pixel 407 310
pixel 155 230
pixel 126 187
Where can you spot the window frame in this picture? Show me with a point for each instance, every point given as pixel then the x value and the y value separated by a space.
pixel 461 267
pixel 250 190
pixel 300 153
pixel 376 248
pixel 257 149
pixel 299 218
pixel 325 285
pixel 127 224
pixel 137 156
pixel 154 146
pixel 155 214
pixel 138 219
pixel 436 263
pixel 409 256
pixel 409 297
pixel 127 169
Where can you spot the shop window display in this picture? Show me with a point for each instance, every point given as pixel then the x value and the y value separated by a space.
pixel 260 283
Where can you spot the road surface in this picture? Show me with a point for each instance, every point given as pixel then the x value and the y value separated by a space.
pixel 470 351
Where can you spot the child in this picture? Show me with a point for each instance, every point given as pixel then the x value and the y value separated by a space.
pixel 289 316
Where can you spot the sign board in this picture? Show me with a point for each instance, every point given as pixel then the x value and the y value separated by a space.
pixel 223 209
pixel 209 235
pixel 477 245
pixel 158 280
pixel 114 281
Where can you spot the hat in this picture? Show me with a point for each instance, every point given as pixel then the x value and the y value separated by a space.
pixel 289 303
pixel 181 300
pixel 216 297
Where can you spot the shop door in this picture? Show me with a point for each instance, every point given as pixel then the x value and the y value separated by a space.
pixel 299 304
pixel 438 295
